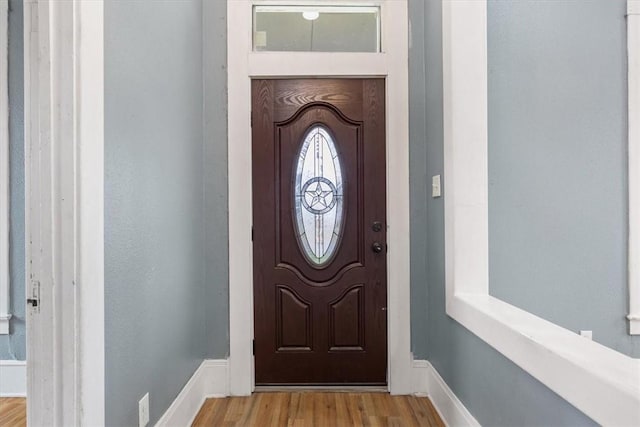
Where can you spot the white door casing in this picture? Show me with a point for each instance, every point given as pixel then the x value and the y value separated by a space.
pixel 244 64
pixel 633 51
pixel 64 116
pixel 5 294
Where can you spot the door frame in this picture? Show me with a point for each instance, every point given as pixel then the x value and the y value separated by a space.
pixel 64 211
pixel 243 65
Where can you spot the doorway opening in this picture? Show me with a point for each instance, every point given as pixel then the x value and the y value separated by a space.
pixel 319 231
pixel 244 65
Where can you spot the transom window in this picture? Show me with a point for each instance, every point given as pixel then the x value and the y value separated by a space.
pixel 316 28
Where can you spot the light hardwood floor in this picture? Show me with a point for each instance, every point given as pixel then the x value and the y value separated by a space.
pixel 297 409
pixel 318 409
pixel 13 412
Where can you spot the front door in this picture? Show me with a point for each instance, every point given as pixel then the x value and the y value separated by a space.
pixel 319 231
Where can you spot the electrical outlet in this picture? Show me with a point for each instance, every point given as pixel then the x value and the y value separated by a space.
pixel 143 411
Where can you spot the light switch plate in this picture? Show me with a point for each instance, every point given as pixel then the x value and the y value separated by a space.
pixel 436 189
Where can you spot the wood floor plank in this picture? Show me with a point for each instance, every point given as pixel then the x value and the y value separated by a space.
pixel 422 411
pixel 342 412
pixel 13 412
pixel 433 413
pixel 235 410
pixel 405 411
pixel 354 406
pixel 311 409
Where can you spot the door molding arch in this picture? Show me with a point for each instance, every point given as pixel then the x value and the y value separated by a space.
pixel 242 65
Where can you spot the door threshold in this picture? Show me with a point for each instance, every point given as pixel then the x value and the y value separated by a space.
pixel 315 388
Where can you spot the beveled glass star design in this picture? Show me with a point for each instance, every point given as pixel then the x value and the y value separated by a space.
pixel 318 195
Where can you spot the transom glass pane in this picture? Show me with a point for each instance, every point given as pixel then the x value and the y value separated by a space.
pixel 316 29
pixel 318 196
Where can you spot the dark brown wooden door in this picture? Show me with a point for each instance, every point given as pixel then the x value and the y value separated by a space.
pixel 319 217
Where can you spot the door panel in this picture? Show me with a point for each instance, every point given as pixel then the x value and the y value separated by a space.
pixel 346 329
pixel 319 289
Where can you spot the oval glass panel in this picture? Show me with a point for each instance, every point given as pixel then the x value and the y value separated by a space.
pixel 318 196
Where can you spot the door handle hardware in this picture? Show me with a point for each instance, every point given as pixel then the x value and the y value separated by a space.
pixel 376 247
pixel 377 226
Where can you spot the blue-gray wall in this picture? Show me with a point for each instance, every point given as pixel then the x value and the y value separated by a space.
pixel 496 391
pixel 558 163
pixel 215 178
pixel 165 290
pixel 419 180
pixel 13 346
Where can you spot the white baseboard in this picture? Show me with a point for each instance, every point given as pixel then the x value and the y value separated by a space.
pixel 428 382
pixel 209 380
pixel 13 378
